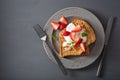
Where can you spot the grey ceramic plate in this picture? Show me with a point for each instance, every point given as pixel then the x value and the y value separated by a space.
pixel 77 62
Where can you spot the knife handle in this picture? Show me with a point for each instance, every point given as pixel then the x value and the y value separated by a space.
pixel 60 64
pixel 98 74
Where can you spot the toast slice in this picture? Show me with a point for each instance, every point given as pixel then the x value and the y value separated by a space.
pixel 75 50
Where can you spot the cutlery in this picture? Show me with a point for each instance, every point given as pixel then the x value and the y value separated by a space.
pixel 107 35
pixel 43 36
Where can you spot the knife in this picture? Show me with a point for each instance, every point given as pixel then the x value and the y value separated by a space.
pixel 107 35
pixel 43 36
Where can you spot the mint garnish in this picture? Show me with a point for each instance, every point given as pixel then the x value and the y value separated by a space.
pixel 68 43
pixel 54 37
pixel 84 34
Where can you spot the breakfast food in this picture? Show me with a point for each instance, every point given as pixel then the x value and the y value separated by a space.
pixel 75 37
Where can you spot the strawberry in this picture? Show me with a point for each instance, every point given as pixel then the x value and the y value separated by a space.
pixel 82 46
pixel 78 41
pixel 62 25
pixel 66 33
pixel 75 35
pixel 63 20
pixel 72 35
pixel 55 25
pixel 77 28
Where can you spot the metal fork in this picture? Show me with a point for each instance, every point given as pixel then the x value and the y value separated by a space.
pixel 43 36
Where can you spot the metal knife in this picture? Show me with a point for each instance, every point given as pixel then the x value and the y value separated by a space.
pixel 43 36
pixel 107 35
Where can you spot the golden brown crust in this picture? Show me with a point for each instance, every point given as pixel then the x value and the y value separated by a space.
pixel 74 51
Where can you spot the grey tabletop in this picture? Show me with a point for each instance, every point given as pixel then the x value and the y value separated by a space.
pixel 22 56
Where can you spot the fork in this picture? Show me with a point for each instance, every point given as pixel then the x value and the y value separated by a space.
pixel 43 36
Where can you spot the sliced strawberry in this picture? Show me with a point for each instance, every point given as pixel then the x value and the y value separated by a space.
pixel 77 28
pixel 63 19
pixel 55 25
pixel 78 41
pixel 75 35
pixel 66 33
pixel 62 25
pixel 72 35
pixel 82 46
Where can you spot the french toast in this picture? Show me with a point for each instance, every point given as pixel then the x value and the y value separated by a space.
pixel 76 50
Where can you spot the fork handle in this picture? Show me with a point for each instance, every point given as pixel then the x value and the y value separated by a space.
pixel 60 64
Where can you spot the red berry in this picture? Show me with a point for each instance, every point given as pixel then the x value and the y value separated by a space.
pixel 78 41
pixel 55 25
pixel 77 28
pixel 82 46
pixel 62 25
pixel 66 33
pixel 72 35
pixel 63 20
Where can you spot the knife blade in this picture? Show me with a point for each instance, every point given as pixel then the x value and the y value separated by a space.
pixel 107 35
pixel 43 36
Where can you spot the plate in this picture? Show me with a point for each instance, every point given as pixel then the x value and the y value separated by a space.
pixel 76 62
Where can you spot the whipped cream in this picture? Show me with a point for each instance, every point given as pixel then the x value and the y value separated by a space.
pixel 68 39
pixel 70 27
